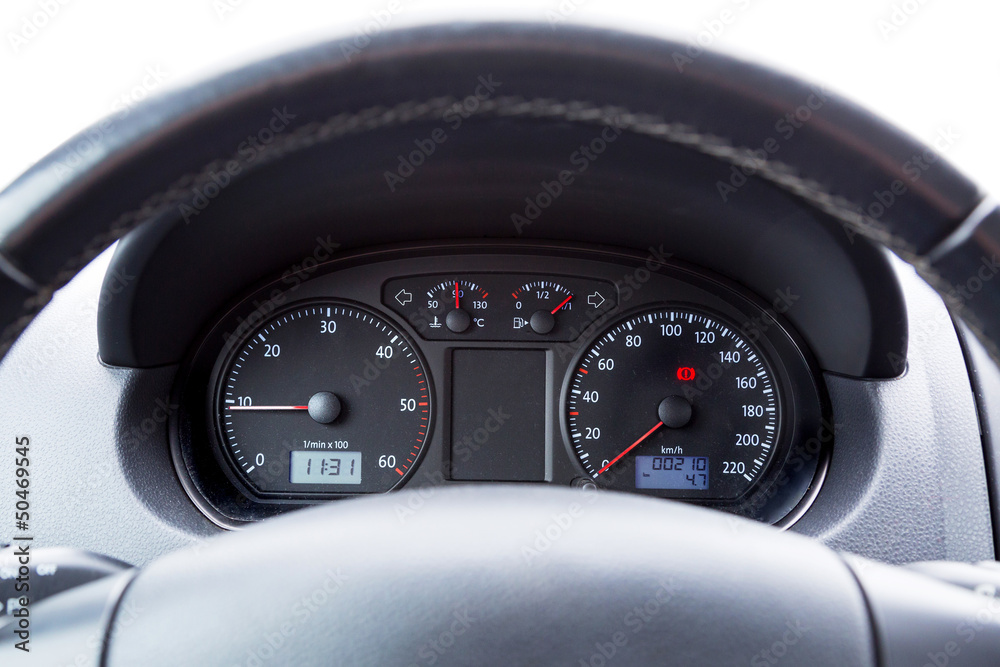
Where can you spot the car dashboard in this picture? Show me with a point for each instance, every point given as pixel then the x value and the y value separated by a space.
pixel 423 285
pixel 561 358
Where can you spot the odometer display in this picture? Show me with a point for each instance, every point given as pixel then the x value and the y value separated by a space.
pixel 671 472
pixel 324 398
pixel 674 402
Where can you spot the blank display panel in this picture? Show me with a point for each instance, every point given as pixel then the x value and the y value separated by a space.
pixel 498 415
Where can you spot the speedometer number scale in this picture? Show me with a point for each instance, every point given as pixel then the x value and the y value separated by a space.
pixel 675 403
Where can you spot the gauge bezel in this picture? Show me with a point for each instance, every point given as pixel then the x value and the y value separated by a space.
pixel 779 449
pixel 223 453
pixel 196 445
pixel 792 374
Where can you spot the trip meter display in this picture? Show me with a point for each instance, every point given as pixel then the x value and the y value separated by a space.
pixel 674 402
pixel 671 472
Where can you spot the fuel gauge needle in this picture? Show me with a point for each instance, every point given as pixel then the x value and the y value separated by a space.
pixel 564 302
pixel 631 447
pixel 267 407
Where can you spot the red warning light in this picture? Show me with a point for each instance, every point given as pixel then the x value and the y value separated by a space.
pixel 685 373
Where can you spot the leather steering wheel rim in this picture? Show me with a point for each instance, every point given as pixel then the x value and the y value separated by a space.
pixel 89 192
pixel 54 220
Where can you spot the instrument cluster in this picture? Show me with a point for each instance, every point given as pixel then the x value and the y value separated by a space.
pixel 515 364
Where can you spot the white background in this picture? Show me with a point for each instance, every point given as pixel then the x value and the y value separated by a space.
pixel 924 65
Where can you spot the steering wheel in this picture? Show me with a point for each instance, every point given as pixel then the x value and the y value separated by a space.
pixel 508 574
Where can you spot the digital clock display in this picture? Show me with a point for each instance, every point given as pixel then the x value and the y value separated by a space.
pixel 325 468
pixel 671 472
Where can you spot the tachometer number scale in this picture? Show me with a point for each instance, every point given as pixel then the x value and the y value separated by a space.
pixel 324 398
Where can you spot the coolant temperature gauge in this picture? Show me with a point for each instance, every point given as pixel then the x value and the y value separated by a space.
pixel 457 305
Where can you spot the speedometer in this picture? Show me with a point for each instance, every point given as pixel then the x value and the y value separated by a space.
pixel 675 402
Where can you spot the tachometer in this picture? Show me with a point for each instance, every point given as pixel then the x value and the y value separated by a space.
pixel 458 305
pixel 674 402
pixel 324 398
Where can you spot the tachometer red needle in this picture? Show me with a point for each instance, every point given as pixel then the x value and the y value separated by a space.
pixel 565 301
pixel 267 407
pixel 631 447
pixel 456 295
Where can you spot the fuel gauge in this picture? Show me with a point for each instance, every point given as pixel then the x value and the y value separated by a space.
pixel 541 301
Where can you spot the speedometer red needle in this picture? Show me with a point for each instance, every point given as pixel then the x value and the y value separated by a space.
pixel 564 302
pixel 268 407
pixel 457 306
pixel 631 447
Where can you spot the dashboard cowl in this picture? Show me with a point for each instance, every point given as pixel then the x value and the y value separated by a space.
pixel 337 139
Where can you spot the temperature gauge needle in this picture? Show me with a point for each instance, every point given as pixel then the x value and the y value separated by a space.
pixel 631 447
pixel 457 304
pixel 268 407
